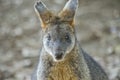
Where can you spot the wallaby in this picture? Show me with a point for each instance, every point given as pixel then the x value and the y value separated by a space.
pixel 61 57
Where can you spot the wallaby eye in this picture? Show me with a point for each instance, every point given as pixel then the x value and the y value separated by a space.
pixel 67 37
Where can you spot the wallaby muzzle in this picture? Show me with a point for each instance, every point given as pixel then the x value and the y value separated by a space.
pixel 59 55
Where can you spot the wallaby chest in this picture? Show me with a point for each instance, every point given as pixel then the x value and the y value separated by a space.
pixel 62 71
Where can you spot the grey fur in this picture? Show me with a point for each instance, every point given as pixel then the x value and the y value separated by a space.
pixel 61 57
pixel 71 5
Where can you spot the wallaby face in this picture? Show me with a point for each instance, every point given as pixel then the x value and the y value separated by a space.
pixel 58 38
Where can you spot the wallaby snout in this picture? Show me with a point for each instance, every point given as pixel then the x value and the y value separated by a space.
pixel 59 56
pixel 58 50
pixel 59 53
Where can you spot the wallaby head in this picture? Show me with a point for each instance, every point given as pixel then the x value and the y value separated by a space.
pixel 59 36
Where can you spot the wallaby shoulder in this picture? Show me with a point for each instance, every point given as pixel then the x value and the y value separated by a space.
pixel 96 71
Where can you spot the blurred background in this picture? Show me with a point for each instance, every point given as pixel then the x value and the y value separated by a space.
pixel 98 31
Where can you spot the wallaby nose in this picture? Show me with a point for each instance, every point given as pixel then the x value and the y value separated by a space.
pixel 58 56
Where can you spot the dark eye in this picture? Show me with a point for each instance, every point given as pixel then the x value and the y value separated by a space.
pixel 67 37
pixel 49 37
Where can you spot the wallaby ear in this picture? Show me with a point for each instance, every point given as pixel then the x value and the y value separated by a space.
pixel 44 14
pixel 68 12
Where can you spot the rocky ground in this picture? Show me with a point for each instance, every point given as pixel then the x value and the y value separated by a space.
pixel 98 30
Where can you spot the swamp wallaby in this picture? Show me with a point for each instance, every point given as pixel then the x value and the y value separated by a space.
pixel 61 57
